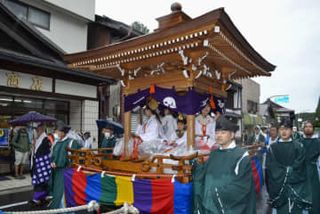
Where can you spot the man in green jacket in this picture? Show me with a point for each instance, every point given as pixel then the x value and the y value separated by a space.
pixel 59 163
pixel 21 145
pixel 224 184
pixel 287 176
pixel 311 144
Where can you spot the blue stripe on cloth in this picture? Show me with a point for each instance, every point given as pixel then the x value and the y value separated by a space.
pixel 182 197
pixel 68 191
pixel 93 189
pixel 259 169
pixel 142 189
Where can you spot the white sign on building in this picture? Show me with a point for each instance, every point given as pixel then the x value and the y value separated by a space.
pixel 25 81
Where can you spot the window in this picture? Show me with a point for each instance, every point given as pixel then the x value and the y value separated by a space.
pixel 31 14
pixel 20 10
pixel 252 107
pixel 39 18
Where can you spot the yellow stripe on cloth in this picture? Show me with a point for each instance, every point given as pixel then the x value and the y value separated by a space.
pixel 124 190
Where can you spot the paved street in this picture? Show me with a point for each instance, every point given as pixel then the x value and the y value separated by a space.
pixel 262 206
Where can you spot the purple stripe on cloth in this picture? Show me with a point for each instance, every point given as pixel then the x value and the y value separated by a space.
pixel 69 194
pixel 142 189
pixel 37 196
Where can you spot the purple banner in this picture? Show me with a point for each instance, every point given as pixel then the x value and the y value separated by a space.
pixel 190 103
pixel 142 189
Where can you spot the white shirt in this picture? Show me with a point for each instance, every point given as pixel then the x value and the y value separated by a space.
pixel 39 141
pixel 179 141
pixel 150 130
pixel 231 145
pixel 289 140
pixel 169 125
pixel 272 141
pixel 312 137
pixel 210 124
pixel 88 143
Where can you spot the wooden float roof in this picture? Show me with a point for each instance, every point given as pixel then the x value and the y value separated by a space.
pixel 209 43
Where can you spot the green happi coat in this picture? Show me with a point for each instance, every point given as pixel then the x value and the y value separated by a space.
pixel 312 147
pixel 59 157
pixel 287 177
pixel 224 184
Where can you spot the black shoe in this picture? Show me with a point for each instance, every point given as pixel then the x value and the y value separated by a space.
pixel 33 203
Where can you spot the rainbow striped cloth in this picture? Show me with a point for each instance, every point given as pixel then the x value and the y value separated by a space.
pixel 149 196
pixel 257 173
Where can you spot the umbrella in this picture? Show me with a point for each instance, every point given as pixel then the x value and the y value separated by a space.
pixel 117 127
pixel 32 116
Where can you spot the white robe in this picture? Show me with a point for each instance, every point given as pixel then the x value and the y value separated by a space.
pixel 210 129
pixel 152 136
pixel 150 130
pixel 179 141
pixel 169 124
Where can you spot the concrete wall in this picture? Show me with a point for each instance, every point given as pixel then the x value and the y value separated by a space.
pixel 67 30
pixel 250 91
pixel 84 8
pixel 77 89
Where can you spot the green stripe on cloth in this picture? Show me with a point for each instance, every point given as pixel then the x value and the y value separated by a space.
pixel 108 190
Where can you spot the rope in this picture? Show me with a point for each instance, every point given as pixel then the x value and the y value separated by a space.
pixel 92 206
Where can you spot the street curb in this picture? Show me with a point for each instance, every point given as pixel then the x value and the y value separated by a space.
pixel 16 189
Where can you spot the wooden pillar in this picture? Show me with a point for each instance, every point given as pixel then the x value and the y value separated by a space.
pixel 190 131
pixel 127 131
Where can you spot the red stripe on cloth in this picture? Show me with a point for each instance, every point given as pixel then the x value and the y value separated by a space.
pixel 79 184
pixel 256 177
pixel 162 196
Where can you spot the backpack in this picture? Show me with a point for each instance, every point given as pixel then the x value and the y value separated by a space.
pixel 19 135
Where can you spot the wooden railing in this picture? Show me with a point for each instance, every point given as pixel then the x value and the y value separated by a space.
pixel 181 166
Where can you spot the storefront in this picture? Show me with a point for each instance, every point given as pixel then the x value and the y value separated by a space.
pixel 34 77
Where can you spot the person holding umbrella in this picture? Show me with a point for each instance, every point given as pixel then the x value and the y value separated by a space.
pixel 40 165
pixel 109 140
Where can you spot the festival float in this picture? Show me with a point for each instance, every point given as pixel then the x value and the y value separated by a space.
pixel 183 64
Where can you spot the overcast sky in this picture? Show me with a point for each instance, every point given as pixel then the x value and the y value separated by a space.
pixel 285 32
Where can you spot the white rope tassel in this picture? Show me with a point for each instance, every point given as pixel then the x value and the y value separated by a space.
pixel 173 178
pixel 126 209
pixel 93 206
